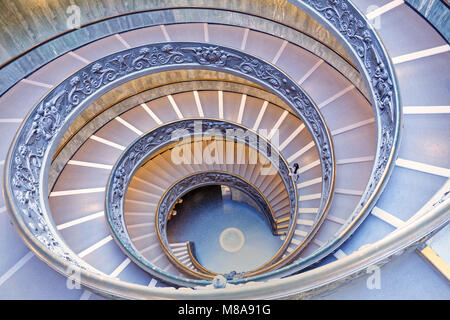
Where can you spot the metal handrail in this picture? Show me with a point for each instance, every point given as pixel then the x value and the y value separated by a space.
pixel 347 23
pixel 146 147
pixel 218 177
pixel 305 284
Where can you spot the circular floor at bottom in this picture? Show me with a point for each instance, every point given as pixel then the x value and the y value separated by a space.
pixel 228 235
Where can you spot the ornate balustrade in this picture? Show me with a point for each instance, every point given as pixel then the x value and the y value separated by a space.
pixel 27 164
pixel 29 158
pixel 150 144
pixel 201 179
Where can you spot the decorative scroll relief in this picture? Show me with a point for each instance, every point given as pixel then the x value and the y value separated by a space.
pixel 150 143
pixel 357 32
pixel 44 124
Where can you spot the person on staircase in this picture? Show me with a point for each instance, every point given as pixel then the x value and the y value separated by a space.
pixel 294 172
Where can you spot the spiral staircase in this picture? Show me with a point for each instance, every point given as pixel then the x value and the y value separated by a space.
pixel 349 97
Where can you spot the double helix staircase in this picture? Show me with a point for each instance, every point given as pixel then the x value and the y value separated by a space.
pixel 383 217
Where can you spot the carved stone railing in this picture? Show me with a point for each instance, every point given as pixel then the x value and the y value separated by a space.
pixel 28 160
pixel 167 135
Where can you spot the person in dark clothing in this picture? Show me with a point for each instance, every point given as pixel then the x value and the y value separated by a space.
pixel 295 168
